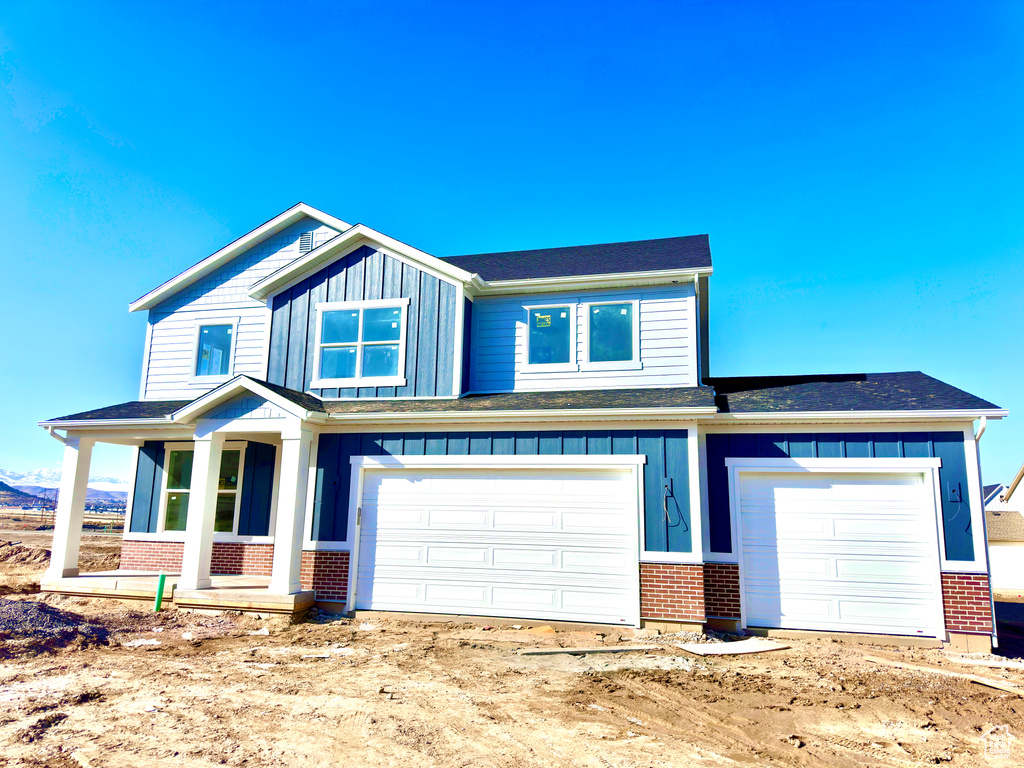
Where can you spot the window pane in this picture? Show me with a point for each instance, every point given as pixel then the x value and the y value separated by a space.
pixel 340 327
pixel 179 473
pixel 214 350
pixel 380 360
pixel 611 333
pixel 177 512
pixel 338 363
pixel 382 324
pixel 224 518
pixel 229 461
pixel 549 335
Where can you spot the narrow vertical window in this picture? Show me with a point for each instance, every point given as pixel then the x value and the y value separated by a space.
pixel 213 350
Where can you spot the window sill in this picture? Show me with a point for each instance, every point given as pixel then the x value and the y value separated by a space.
pixel 615 365
pixel 681 558
pixel 549 368
pixel 379 381
pixel 179 537
pixel 208 380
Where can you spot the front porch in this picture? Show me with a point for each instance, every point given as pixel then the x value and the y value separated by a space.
pixel 233 592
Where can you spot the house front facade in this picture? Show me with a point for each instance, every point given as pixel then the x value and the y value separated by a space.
pixel 347 420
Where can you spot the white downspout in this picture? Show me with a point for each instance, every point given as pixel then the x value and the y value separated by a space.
pixel 982 426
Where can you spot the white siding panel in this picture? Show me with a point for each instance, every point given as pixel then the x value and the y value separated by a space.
pixel 667 342
pixel 222 294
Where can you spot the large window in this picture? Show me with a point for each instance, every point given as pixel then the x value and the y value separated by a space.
pixel 179 480
pixel 361 343
pixel 214 345
pixel 551 337
pixel 612 334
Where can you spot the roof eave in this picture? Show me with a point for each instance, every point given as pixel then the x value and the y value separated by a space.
pixel 104 423
pixel 865 416
pixel 225 254
pixel 559 415
pixel 586 282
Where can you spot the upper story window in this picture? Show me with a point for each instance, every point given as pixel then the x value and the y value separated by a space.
pixel 611 336
pixel 213 350
pixel 551 337
pixel 360 343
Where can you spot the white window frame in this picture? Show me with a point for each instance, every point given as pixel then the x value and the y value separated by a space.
pixel 233 445
pixel 195 378
pixel 611 365
pixel 361 381
pixel 572 365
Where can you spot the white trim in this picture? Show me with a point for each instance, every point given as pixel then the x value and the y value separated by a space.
pixel 210 263
pixel 349 239
pixel 976 506
pixel 230 389
pixel 161 534
pixel 460 340
pixel 145 357
pixel 928 467
pixel 614 365
pixel 397 380
pixel 827 416
pixel 195 378
pixel 572 364
pixel 268 321
pixel 129 510
pixel 585 282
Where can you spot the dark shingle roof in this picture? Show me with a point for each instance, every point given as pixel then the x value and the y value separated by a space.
pixel 904 391
pixel 135 409
pixel 1005 526
pixel 636 256
pixel 302 399
pixel 676 397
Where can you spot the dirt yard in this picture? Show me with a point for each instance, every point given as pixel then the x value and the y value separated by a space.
pixel 104 683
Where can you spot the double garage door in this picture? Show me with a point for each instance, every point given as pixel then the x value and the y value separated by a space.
pixel 530 543
pixel 839 551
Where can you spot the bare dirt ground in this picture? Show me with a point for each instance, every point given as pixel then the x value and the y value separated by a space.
pixel 176 689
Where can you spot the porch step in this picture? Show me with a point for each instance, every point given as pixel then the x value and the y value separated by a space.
pixel 247 600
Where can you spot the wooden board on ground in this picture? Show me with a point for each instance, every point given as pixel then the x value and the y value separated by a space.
pixel 740 647
pixel 583 651
pixel 985 681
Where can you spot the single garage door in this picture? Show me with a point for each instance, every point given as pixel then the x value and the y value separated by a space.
pixel 525 543
pixel 853 552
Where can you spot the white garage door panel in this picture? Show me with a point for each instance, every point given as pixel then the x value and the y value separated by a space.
pixel 543 543
pixel 837 551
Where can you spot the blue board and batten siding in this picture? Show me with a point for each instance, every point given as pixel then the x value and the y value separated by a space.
pixel 257 489
pixel 665 530
pixel 363 275
pixel 947 446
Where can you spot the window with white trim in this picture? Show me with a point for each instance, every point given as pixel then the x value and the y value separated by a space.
pixel 178 481
pixel 551 337
pixel 611 335
pixel 360 343
pixel 214 345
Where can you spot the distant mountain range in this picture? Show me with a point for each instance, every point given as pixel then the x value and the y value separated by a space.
pixel 11 497
pixel 41 482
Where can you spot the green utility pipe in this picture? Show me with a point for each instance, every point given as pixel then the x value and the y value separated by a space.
pixel 159 600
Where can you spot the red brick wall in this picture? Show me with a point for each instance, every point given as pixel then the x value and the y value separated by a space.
pixel 239 557
pixel 722 590
pixel 966 601
pixel 672 592
pixel 226 558
pixel 152 556
pixel 327 573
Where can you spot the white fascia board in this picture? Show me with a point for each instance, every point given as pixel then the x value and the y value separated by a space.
pixel 585 282
pixel 349 239
pixel 833 465
pixel 545 416
pixel 233 388
pixel 225 254
pixel 859 416
pixel 104 423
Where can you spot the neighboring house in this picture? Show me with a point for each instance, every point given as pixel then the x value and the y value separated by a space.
pixel 991 494
pixel 1004 519
pixel 329 414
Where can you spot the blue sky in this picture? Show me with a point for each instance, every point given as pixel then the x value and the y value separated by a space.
pixel 857 165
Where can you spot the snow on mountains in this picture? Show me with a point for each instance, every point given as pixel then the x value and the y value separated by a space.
pixel 39 481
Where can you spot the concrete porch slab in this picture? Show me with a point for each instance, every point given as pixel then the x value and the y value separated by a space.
pixel 230 592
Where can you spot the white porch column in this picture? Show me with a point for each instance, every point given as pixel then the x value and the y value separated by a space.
pixel 67 525
pixel 291 507
pixel 202 504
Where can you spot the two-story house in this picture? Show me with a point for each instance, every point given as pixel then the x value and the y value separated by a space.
pixel 328 414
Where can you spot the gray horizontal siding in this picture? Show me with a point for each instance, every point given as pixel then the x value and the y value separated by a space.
pixel 667 342
pixel 363 275
pixel 665 530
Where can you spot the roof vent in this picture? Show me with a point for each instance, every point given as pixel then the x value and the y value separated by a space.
pixel 306 242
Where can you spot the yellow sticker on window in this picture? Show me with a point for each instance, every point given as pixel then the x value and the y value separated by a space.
pixel 543 321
